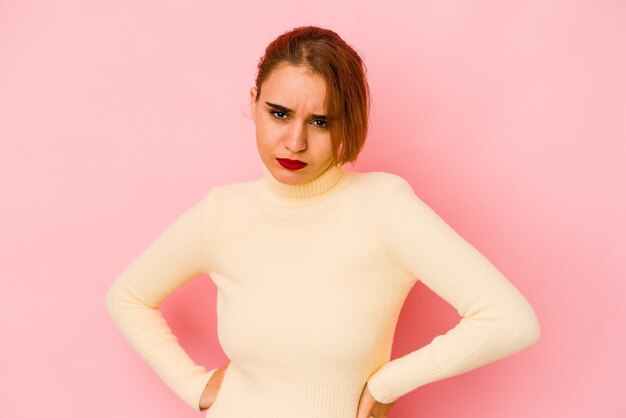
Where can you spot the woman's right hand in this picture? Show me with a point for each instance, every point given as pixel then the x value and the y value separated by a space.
pixel 212 388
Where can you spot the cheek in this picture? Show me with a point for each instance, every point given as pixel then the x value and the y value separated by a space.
pixel 263 125
pixel 263 149
pixel 326 144
pixel 266 138
pixel 269 132
pixel 263 133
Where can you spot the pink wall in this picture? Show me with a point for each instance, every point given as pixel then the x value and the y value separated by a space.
pixel 508 118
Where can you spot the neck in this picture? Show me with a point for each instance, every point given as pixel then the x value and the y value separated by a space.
pixel 311 191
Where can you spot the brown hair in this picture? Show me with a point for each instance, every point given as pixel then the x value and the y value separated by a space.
pixel 347 100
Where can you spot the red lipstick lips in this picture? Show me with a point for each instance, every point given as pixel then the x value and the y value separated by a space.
pixel 291 164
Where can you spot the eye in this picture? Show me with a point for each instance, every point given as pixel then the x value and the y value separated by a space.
pixel 276 112
pixel 322 124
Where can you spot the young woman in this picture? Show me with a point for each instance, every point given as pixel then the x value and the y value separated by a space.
pixel 312 263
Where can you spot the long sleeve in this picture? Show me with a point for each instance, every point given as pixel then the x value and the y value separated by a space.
pixel 496 320
pixel 176 256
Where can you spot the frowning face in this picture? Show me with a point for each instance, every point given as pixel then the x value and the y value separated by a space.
pixel 291 124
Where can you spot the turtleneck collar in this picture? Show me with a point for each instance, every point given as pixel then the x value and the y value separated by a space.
pixel 325 184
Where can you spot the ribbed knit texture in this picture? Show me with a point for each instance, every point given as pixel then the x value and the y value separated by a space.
pixel 311 279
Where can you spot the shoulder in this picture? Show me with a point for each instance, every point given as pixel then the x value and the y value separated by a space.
pixel 392 197
pixel 382 182
pixel 233 189
pixel 226 194
pixel 382 192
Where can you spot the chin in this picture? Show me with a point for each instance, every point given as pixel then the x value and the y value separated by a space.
pixel 292 177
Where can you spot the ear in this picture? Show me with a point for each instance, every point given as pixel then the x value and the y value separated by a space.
pixel 253 93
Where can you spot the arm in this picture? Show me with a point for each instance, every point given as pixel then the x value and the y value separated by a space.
pixel 175 257
pixel 496 320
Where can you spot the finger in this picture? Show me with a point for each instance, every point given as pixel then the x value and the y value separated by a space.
pixel 364 412
pixel 365 408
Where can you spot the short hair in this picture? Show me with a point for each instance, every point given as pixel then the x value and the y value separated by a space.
pixel 347 99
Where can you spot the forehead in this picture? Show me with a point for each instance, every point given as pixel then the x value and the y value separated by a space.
pixel 294 86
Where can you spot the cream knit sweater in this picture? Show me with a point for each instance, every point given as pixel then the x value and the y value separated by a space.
pixel 310 282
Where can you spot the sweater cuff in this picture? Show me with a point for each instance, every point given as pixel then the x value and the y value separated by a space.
pixel 404 374
pixel 198 388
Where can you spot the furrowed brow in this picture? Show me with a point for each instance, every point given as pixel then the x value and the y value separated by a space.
pixel 290 111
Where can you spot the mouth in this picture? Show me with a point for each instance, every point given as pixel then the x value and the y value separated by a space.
pixel 291 164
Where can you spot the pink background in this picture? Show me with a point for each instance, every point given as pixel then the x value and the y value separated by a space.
pixel 508 118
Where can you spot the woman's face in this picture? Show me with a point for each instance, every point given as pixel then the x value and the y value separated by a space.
pixel 290 123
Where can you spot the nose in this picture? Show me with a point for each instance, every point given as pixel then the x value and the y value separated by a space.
pixel 296 138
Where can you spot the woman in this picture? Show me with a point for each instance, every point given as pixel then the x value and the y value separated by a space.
pixel 313 262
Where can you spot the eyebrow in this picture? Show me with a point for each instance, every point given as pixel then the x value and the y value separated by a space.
pixel 287 110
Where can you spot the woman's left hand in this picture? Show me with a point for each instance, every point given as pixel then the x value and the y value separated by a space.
pixel 369 407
